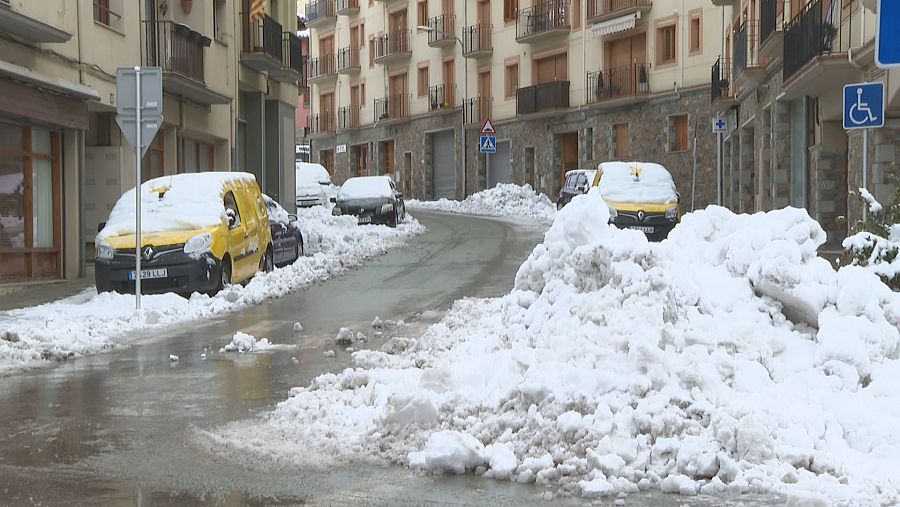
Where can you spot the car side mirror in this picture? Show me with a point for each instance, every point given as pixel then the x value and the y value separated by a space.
pixel 292 218
pixel 333 199
pixel 231 218
pixel 100 226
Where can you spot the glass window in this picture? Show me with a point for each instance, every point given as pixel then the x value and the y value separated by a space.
pixel 42 202
pixel 12 201
pixel 231 209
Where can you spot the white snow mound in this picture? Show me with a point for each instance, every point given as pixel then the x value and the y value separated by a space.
pixel 504 200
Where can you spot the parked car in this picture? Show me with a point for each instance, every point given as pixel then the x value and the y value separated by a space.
pixel 287 239
pixel 199 233
pixel 641 196
pixel 312 182
pixel 372 199
pixel 578 181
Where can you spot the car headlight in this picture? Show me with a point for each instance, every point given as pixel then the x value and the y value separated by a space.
pixel 336 211
pixel 672 213
pixel 198 244
pixel 105 251
pixel 387 208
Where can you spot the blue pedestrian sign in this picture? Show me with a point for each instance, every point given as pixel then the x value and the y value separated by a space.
pixel 887 37
pixel 719 125
pixel 488 144
pixel 863 106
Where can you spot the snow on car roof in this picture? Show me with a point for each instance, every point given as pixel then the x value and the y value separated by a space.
pixel 188 202
pixel 363 187
pixel 276 212
pixel 311 174
pixel 644 182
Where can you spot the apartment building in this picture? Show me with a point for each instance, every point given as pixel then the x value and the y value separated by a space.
pixel 566 83
pixel 64 159
pixel 780 86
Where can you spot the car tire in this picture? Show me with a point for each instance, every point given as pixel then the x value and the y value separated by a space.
pixel 267 262
pixel 299 248
pixel 224 275
pixel 392 221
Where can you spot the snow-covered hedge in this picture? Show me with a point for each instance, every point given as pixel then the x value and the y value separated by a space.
pixel 504 200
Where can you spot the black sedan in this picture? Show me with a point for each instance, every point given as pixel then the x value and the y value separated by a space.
pixel 578 182
pixel 372 199
pixel 286 237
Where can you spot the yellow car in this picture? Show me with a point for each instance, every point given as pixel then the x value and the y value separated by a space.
pixel 199 233
pixel 641 196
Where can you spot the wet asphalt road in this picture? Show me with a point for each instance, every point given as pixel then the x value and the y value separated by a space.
pixel 117 428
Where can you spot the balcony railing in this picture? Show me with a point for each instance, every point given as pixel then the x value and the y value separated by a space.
pixel 346 6
pixel 618 82
pixel 816 31
pixel 293 52
pixel 348 117
pixel 721 84
pixel 321 66
pixel 321 123
pixel 442 28
pixel 319 10
pixel 543 18
pixel 176 48
pixel 746 47
pixel 262 35
pixel 476 40
pixel 598 10
pixel 392 107
pixel 771 16
pixel 391 44
pixel 542 97
pixel 441 97
pixel 476 110
pixel 348 59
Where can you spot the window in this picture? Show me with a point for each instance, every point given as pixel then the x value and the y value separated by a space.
pixel 362 34
pixel 665 45
pixel 231 209
pixel 197 156
pixel 848 7
pixel 621 148
pixel 678 133
pixel 362 94
pixel 220 8
pixel 422 9
pixel 423 81
pixel 512 80
pixel 576 14
pixel 371 51
pixel 696 41
pixel 109 13
pixel 510 9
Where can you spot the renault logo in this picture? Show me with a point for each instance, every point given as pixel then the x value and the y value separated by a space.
pixel 147 254
pixel 641 215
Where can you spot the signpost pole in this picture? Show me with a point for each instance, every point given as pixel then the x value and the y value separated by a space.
pixel 137 191
pixel 719 168
pixel 865 169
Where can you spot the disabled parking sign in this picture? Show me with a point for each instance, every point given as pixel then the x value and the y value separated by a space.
pixel 863 106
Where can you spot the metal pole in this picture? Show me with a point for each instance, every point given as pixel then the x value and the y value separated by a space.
pixel 694 170
pixel 137 192
pixel 865 170
pixel 719 168
pixel 463 115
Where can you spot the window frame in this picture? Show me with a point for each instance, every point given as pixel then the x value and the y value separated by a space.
pixel 664 25
pixel 509 92
pixel 695 15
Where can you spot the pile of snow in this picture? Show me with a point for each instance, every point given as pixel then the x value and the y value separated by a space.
pixel 89 323
pixel 617 365
pixel 243 342
pixel 642 182
pixel 504 200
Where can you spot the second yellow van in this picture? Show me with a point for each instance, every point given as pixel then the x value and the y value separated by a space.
pixel 641 196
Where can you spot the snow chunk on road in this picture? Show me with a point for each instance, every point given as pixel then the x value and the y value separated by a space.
pixel 243 342
pixel 504 200
pixel 448 451
pixel 345 337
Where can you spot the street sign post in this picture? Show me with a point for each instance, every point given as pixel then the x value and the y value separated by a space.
pixel 139 115
pixel 887 37
pixel 488 144
pixel 864 109
pixel 719 126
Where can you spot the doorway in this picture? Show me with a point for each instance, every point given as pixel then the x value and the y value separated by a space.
pixel 568 155
pixel 408 173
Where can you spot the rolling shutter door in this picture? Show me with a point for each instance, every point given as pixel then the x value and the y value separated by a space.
pixel 444 165
pixel 499 165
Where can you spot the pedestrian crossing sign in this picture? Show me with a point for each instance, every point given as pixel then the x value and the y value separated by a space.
pixel 488 144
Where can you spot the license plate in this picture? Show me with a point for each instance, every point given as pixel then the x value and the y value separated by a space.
pixel 642 228
pixel 147 274
pixel 365 220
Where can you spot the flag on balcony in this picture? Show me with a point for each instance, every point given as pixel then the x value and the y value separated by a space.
pixel 257 9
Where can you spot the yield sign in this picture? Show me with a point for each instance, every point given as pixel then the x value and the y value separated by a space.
pixel 488 127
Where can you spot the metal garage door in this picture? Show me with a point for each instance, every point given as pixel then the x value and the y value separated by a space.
pixel 499 165
pixel 444 165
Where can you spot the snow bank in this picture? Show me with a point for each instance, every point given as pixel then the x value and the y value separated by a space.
pixel 89 323
pixel 617 365
pixel 504 200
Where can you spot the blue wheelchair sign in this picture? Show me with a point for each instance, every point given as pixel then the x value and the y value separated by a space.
pixel 863 106
pixel 887 37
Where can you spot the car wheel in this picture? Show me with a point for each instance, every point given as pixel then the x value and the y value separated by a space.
pixel 392 221
pixel 299 248
pixel 224 275
pixel 267 262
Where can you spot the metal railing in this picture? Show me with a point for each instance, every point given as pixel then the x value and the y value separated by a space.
pixel 542 97
pixel 477 38
pixel 348 117
pixel 544 16
pixel 348 58
pixel 321 123
pixel 603 7
pixel 262 35
pixel 746 46
pixel 392 43
pixel 771 18
pixel 815 31
pixel 319 9
pixel 442 28
pixel 618 82
pixel 293 52
pixel 176 48
pixel 321 66
pixel 476 110
pixel 342 5
pixel 441 97
pixel 392 107
pixel 721 84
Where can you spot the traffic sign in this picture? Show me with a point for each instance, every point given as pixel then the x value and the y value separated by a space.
pixel 488 144
pixel 719 125
pixel 887 37
pixel 151 91
pixel 863 106
pixel 149 126
pixel 488 127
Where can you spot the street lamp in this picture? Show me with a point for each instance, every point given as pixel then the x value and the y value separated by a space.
pixel 462 122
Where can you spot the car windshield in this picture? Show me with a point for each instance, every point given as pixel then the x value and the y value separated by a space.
pixel 637 182
pixel 366 187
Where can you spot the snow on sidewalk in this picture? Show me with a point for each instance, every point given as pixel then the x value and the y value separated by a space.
pixel 89 322
pixel 617 365
pixel 504 200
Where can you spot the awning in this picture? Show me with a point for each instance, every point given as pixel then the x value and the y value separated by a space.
pixel 615 25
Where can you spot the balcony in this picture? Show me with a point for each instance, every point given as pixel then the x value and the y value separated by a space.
pixel 605 10
pixel 178 50
pixel 33 30
pixel 319 13
pixel 321 124
pixel 441 97
pixel 477 42
pixel 321 69
pixel 749 72
pixel 348 60
pixel 815 50
pixel 476 110
pixel 616 83
pixel 722 90
pixel 391 47
pixel 723 3
pixel 292 71
pixel 543 20
pixel 346 7
pixel 542 97
pixel 441 31
pixel 392 107
pixel 348 118
pixel 262 41
pixel 771 29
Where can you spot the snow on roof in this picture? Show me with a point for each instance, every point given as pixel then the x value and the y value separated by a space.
pixel 189 202
pixel 366 187
pixel 643 182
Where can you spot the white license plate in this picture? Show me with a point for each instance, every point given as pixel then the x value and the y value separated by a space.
pixel 365 220
pixel 147 274
pixel 642 228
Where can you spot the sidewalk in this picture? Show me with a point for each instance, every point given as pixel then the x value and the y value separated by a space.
pixel 21 295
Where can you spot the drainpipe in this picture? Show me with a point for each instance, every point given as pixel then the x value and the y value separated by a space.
pixel 82 229
pixel 683 53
